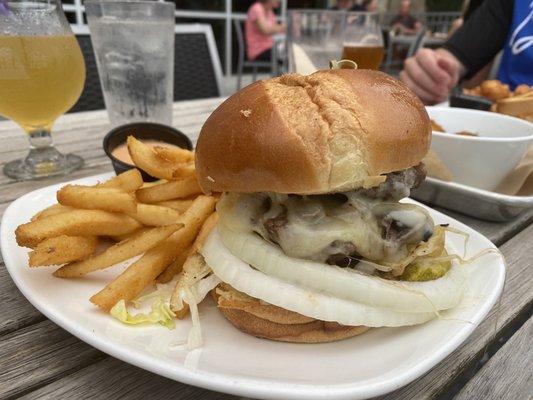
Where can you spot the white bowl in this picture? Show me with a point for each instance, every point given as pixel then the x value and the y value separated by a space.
pixel 480 161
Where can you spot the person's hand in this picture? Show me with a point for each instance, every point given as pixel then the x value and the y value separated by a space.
pixel 431 74
pixel 282 28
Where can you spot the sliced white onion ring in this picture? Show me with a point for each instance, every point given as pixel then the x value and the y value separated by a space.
pixel 311 303
pixel 345 283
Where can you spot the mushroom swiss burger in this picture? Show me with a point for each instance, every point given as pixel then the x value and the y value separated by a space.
pixel 312 243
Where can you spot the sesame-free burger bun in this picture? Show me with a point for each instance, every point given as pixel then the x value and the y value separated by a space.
pixel 331 131
pixel 271 322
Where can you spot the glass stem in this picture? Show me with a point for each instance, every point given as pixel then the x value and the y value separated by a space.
pixel 43 157
pixel 40 138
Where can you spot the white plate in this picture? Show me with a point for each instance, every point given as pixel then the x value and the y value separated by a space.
pixel 372 364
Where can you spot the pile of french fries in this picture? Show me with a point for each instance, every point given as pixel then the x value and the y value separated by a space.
pixel 164 222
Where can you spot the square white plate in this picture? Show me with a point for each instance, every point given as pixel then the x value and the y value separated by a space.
pixel 375 363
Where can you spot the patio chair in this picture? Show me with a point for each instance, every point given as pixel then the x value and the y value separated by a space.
pixel 244 62
pixel 197 70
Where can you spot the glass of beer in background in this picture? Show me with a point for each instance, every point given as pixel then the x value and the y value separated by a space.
pixel 42 73
pixel 363 40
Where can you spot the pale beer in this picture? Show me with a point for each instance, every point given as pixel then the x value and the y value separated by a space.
pixel 41 77
pixel 366 57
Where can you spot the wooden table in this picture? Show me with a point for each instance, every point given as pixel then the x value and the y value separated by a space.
pixel 39 359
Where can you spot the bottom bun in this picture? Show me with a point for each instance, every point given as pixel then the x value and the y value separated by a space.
pixel 270 322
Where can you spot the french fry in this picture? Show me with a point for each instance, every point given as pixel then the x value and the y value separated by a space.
pixel 174 154
pixel 120 238
pixel 148 160
pixel 206 229
pixel 97 198
pixel 75 223
pixel 174 268
pixel 128 181
pixel 143 272
pixel 183 170
pixel 155 215
pixel 169 190
pixel 178 205
pixel 154 183
pixel 177 265
pixel 194 269
pixel 52 210
pixel 136 277
pixel 122 251
pixel 62 249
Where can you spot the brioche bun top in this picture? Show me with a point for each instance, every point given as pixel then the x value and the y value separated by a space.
pixel 332 131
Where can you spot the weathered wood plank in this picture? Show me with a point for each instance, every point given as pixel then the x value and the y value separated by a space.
pixel 113 379
pixel 16 312
pixel 516 299
pixel 39 354
pixel 508 374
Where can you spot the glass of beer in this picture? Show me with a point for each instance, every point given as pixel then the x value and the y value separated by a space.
pixel 363 40
pixel 42 73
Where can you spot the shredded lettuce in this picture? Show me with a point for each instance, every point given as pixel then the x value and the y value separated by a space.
pixel 160 313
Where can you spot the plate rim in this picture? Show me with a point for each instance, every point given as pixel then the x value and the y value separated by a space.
pixel 245 386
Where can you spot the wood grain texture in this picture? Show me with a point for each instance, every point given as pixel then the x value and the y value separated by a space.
pixel 114 379
pixel 16 312
pixel 516 299
pixel 508 374
pixel 40 353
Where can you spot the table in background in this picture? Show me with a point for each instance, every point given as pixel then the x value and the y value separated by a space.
pixel 39 359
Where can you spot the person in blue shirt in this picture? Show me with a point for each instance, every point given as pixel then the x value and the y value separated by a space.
pixel 495 25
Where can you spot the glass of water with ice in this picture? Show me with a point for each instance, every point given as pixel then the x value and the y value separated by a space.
pixel 134 47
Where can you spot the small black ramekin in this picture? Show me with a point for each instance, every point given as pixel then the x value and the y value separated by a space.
pixel 142 131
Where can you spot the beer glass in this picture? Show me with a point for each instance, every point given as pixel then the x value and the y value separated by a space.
pixel 362 40
pixel 42 73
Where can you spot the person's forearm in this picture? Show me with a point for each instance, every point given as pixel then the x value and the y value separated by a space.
pixel 481 37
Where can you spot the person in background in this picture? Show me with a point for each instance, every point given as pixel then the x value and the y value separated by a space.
pixel 404 23
pixel 493 26
pixel 260 26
